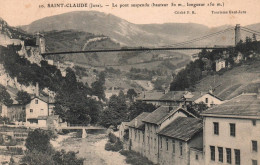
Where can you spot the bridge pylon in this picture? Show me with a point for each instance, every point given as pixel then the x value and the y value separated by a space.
pixel 237 34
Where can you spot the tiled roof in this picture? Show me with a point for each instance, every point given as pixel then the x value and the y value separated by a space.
pixel 183 128
pixel 139 118
pixel 173 96
pixel 242 105
pixel 150 95
pixel 160 114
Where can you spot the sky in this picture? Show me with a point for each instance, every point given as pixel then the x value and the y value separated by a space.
pixel 23 12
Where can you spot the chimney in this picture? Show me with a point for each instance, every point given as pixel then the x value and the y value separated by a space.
pixel 37 93
pixel 135 122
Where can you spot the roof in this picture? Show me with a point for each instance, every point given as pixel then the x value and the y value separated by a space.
pixel 197 95
pixel 44 99
pixel 157 115
pixel 173 96
pixel 244 105
pixel 182 128
pixel 162 113
pixel 139 118
pixel 150 95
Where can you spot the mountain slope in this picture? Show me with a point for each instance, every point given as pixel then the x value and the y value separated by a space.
pixel 244 78
pixel 130 34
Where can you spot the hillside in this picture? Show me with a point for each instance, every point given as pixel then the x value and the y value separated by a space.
pixel 68 40
pixel 126 33
pixel 244 78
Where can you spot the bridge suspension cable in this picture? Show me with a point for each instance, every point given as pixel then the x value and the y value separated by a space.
pixel 202 38
pixel 252 31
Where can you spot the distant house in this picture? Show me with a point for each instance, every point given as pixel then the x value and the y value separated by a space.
pixel 123 129
pixel 207 98
pixel 152 97
pixel 38 111
pixel 239 58
pixel 173 98
pixel 15 112
pixel 177 139
pixel 231 131
pixel 220 64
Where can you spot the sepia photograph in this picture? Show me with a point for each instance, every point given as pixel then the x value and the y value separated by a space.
pixel 129 82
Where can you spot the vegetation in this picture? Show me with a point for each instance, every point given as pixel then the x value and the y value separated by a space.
pixel 135 158
pixel 114 143
pixel 73 101
pixel 193 73
pixel 138 107
pixel 23 97
pixel 5 97
pixel 43 153
pixel 131 94
pixel 116 112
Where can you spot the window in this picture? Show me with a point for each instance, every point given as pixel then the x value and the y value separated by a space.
pixel 254 162
pixel 228 150
pixel 220 154
pixel 232 129
pixel 161 141
pixel 36 101
pixel 166 144
pixel 197 157
pixel 216 128
pixel 237 157
pixel 254 145
pixel 139 136
pixel 31 110
pixel 206 100
pixel 212 153
pixel 173 146
pixel 254 122
pixel 180 148
pixel 154 142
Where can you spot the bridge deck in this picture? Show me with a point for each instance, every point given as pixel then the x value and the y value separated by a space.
pixel 135 49
pixel 82 127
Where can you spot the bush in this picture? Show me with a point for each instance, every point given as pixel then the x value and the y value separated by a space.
pixel 114 143
pixel 114 146
pixel 135 158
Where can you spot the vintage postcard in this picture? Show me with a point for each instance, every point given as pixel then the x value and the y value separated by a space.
pixel 129 82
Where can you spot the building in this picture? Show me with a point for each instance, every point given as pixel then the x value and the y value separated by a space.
pixel 177 140
pixel 156 121
pixel 123 130
pixel 173 98
pixel 137 134
pixel 220 64
pixel 38 111
pixel 152 97
pixel 14 112
pixel 201 97
pixel 231 131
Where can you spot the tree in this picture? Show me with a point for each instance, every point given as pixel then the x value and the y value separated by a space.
pixel 116 111
pixel 5 97
pixel 23 97
pixel 98 87
pixel 38 140
pixel 138 107
pixel 131 94
pixel 67 158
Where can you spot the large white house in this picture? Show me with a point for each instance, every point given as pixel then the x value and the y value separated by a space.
pixel 38 111
pixel 232 131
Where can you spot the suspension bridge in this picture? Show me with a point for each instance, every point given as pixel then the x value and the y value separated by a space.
pixel 177 46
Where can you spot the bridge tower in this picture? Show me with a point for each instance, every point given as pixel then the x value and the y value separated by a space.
pixel 237 34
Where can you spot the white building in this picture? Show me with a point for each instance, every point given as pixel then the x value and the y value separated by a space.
pixel 220 64
pixel 231 131
pixel 38 111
